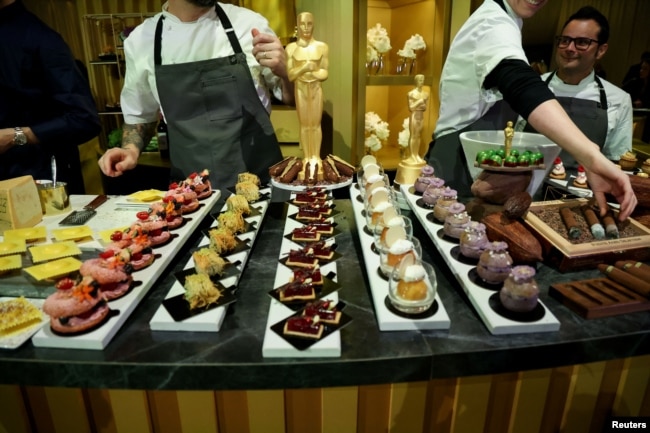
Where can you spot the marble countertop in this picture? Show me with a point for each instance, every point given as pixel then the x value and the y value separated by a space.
pixel 139 358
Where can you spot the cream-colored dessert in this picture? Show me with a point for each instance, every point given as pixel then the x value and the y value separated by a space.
pixel 628 160
pixel 558 171
pixel 646 166
pixel 412 285
pixel 581 178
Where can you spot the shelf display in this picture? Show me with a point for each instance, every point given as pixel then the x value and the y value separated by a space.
pixel 411 51
pixel 104 36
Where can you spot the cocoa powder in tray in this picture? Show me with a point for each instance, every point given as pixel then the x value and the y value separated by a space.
pixel 552 218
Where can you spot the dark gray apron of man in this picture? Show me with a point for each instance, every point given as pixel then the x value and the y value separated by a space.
pixel 446 154
pixel 215 117
pixel 589 116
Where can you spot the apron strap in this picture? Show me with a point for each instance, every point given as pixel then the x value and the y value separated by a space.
pixel 157 59
pixel 230 32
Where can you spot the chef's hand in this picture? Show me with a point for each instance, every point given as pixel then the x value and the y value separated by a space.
pixel 606 178
pixel 117 160
pixel 269 52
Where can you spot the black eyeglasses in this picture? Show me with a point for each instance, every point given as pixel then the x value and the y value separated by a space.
pixel 580 43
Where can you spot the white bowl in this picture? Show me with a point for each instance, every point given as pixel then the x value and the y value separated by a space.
pixel 475 141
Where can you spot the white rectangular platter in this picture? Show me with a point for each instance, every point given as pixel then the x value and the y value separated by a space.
pixel 275 346
pixel 387 320
pixel 110 215
pixel 478 296
pixel 211 320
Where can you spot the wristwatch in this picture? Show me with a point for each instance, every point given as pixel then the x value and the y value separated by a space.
pixel 19 136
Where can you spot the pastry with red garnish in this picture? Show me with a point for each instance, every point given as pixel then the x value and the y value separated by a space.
pixel 137 256
pixel 303 326
pixel 325 310
pixel 111 271
pixel 76 306
pixel 155 227
pixel 323 226
pixel 186 198
pixel 169 210
pixel 199 183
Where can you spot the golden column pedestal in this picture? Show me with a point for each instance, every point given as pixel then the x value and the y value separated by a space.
pixel 408 172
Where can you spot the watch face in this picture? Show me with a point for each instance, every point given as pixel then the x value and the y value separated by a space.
pixel 19 137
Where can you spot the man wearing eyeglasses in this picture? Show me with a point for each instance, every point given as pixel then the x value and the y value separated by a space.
pixel 602 111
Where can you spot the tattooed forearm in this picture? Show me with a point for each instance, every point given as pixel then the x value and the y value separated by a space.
pixel 137 135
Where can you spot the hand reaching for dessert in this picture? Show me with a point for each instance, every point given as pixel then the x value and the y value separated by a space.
pixel 116 161
pixel 608 179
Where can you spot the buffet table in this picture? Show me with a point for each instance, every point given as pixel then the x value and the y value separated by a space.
pixel 138 358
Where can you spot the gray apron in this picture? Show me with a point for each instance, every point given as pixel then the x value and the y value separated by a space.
pixel 446 154
pixel 215 117
pixel 589 116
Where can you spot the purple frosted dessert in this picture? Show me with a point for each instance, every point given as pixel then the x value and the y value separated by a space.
pixel 424 180
pixel 495 263
pixel 456 220
pixel 473 240
pixel 433 192
pixel 520 292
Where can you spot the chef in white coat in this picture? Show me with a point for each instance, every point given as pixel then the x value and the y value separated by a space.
pixel 485 77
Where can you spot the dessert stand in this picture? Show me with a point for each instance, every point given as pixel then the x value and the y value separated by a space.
pixel 387 319
pixel 116 212
pixel 212 319
pixel 479 296
pixel 274 345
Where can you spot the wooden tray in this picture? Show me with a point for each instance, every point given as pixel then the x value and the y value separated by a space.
pixel 598 297
pixel 564 255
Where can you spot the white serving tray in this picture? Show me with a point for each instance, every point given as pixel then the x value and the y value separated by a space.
pixel 109 216
pixel 275 346
pixel 387 320
pixel 478 296
pixel 211 320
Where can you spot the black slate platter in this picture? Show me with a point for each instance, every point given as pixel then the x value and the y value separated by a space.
pixel 263 195
pixel 305 343
pixel 329 286
pixel 179 308
pixel 321 262
pixel 249 226
pixel 294 216
pixel 231 269
pixel 323 236
pixel 242 245
pixel 534 315
pixel 254 211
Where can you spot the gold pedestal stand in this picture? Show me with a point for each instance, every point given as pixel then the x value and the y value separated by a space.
pixel 408 172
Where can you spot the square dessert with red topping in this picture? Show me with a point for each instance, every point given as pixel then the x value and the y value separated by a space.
pixel 305 234
pixel 296 291
pixel 311 275
pixel 325 310
pixel 303 259
pixel 303 326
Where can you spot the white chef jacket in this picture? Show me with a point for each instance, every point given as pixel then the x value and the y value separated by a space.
pixel 489 36
pixel 619 110
pixel 184 42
